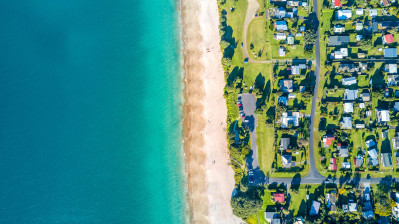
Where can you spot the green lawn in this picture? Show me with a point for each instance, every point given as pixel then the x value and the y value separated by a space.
pixel 265 143
pixel 298 202
pixel 256 40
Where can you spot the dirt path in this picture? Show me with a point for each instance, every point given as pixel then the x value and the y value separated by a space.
pixel 252 9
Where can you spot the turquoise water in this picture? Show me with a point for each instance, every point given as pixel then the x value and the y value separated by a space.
pixel 90 112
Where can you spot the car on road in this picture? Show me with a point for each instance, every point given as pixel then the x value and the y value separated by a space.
pixel 240 104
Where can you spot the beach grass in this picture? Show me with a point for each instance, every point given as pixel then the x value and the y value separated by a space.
pixel 257 41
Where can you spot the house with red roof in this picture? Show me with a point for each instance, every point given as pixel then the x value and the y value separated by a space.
pixel 279 197
pixel 327 140
pixel 333 164
pixel 336 3
pixel 388 39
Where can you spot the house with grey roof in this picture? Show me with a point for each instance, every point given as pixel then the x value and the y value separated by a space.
pixel 285 143
pixel 338 40
pixel 386 159
pixel 343 151
pixel 349 81
pixel 346 123
pixel 390 53
pixel 350 95
pixel 347 67
pixel 272 217
pixel 395 141
pixel 286 161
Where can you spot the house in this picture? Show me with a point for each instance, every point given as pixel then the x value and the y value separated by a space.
pixel 365 97
pixel 341 53
pixel 280 36
pixel 338 40
pixel 361 55
pixel 384 3
pixel 352 207
pixel 299 220
pixel 292 14
pixel 395 211
pixel 383 25
pixel 272 218
pixel 286 85
pixel 327 140
pixel 370 143
pixel 302 29
pixel 343 14
pixel 348 107
pixel 330 201
pixel 386 159
pixel 390 53
pixel 368 214
pixel 345 208
pixel 283 100
pixel 343 151
pixel 281 51
pixel 359 12
pixel 347 67
pixel 294 3
pixel 339 29
pixel 346 165
pixel 285 143
pixel 286 161
pixel 279 197
pixel 359 37
pixel 358 126
pixel 349 81
pixel 373 12
pixel 397 158
pixel 279 13
pixel 359 26
pixel 396 107
pixel 391 68
pixel 281 26
pixel 296 69
pixel 350 95
pixel 314 210
pixel 290 40
pixel 290 118
pixel 382 116
pixel 395 141
pixel 393 80
pixel 387 39
pixel 358 161
pixel 333 164
pixel 336 3
pixel 362 105
pixel 346 123
pixel 373 154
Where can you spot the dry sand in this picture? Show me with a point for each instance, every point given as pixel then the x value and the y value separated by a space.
pixel 210 177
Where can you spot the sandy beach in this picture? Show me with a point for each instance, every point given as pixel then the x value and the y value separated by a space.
pixel 210 177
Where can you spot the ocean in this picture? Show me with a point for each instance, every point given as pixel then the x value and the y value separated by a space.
pixel 90 112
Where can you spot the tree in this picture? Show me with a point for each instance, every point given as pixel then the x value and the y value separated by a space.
pixel 226 62
pixel 224 44
pixel 365 44
pixel 309 37
pixel 244 205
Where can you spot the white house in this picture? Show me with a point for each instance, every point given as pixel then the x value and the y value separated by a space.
pixel 344 14
pixel 280 36
pixel 339 29
pixel 359 12
pixel 341 53
pixel 373 13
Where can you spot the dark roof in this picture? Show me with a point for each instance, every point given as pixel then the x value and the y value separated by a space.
pixel 338 40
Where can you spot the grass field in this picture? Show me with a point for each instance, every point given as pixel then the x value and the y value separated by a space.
pixel 256 40
pixel 298 202
pixel 265 142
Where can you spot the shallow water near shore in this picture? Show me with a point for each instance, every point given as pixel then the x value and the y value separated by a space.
pixel 90 112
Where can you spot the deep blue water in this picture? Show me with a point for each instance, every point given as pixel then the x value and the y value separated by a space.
pixel 90 112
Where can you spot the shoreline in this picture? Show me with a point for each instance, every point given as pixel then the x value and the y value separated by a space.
pixel 210 179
